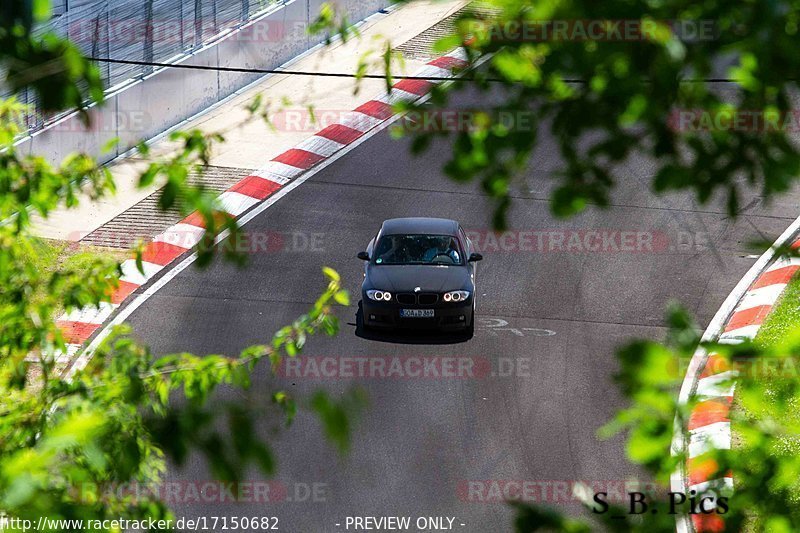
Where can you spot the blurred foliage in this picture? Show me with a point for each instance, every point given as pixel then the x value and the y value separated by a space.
pixel 333 23
pixel 117 420
pixel 51 66
pixel 611 100
pixel 68 440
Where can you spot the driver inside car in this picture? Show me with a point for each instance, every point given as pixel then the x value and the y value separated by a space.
pixel 444 247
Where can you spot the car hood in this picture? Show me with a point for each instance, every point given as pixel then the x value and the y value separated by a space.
pixel 405 278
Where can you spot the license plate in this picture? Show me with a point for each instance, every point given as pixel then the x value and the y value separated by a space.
pixel 416 313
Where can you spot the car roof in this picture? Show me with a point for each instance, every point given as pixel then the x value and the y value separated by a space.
pixel 420 225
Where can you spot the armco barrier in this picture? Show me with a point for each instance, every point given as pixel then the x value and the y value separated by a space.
pixel 168 96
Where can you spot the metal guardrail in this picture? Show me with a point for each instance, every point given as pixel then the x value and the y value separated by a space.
pixel 144 105
pixel 145 30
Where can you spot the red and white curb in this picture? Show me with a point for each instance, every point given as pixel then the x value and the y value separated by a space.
pixel 709 380
pixel 79 326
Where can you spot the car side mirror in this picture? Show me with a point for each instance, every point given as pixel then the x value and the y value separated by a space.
pixel 475 257
pixel 364 256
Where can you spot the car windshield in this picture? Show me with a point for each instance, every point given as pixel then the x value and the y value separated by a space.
pixel 417 250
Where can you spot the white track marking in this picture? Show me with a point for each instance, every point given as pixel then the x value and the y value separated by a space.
pixel 359 121
pixel 90 314
pixel 721 384
pixel 235 203
pixel 183 235
pixel 276 168
pixel 784 262
pixel 433 71
pixel 320 146
pixel 743 333
pixel 719 486
pixel 716 436
pixel 763 296
pixel 397 95
pixel 131 274
pixel 65 358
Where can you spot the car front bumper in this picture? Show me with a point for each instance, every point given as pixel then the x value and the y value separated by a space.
pixel 445 315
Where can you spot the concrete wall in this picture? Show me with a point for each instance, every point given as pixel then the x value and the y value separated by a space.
pixel 146 107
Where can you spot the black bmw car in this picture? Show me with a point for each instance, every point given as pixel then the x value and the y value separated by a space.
pixel 419 273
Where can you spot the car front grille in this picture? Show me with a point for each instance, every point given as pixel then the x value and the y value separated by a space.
pixel 427 299
pixel 409 298
pixel 406 298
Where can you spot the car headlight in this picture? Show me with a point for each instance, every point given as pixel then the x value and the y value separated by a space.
pixel 380 296
pixel 456 296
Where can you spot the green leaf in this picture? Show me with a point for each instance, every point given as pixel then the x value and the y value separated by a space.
pixel 342 297
pixel 331 274
pixel 41 10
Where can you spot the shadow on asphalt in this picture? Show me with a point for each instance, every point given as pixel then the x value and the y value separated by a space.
pixel 406 336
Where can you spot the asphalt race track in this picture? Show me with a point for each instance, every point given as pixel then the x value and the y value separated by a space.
pixel 553 311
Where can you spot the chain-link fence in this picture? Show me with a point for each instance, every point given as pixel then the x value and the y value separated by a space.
pixel 142 30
